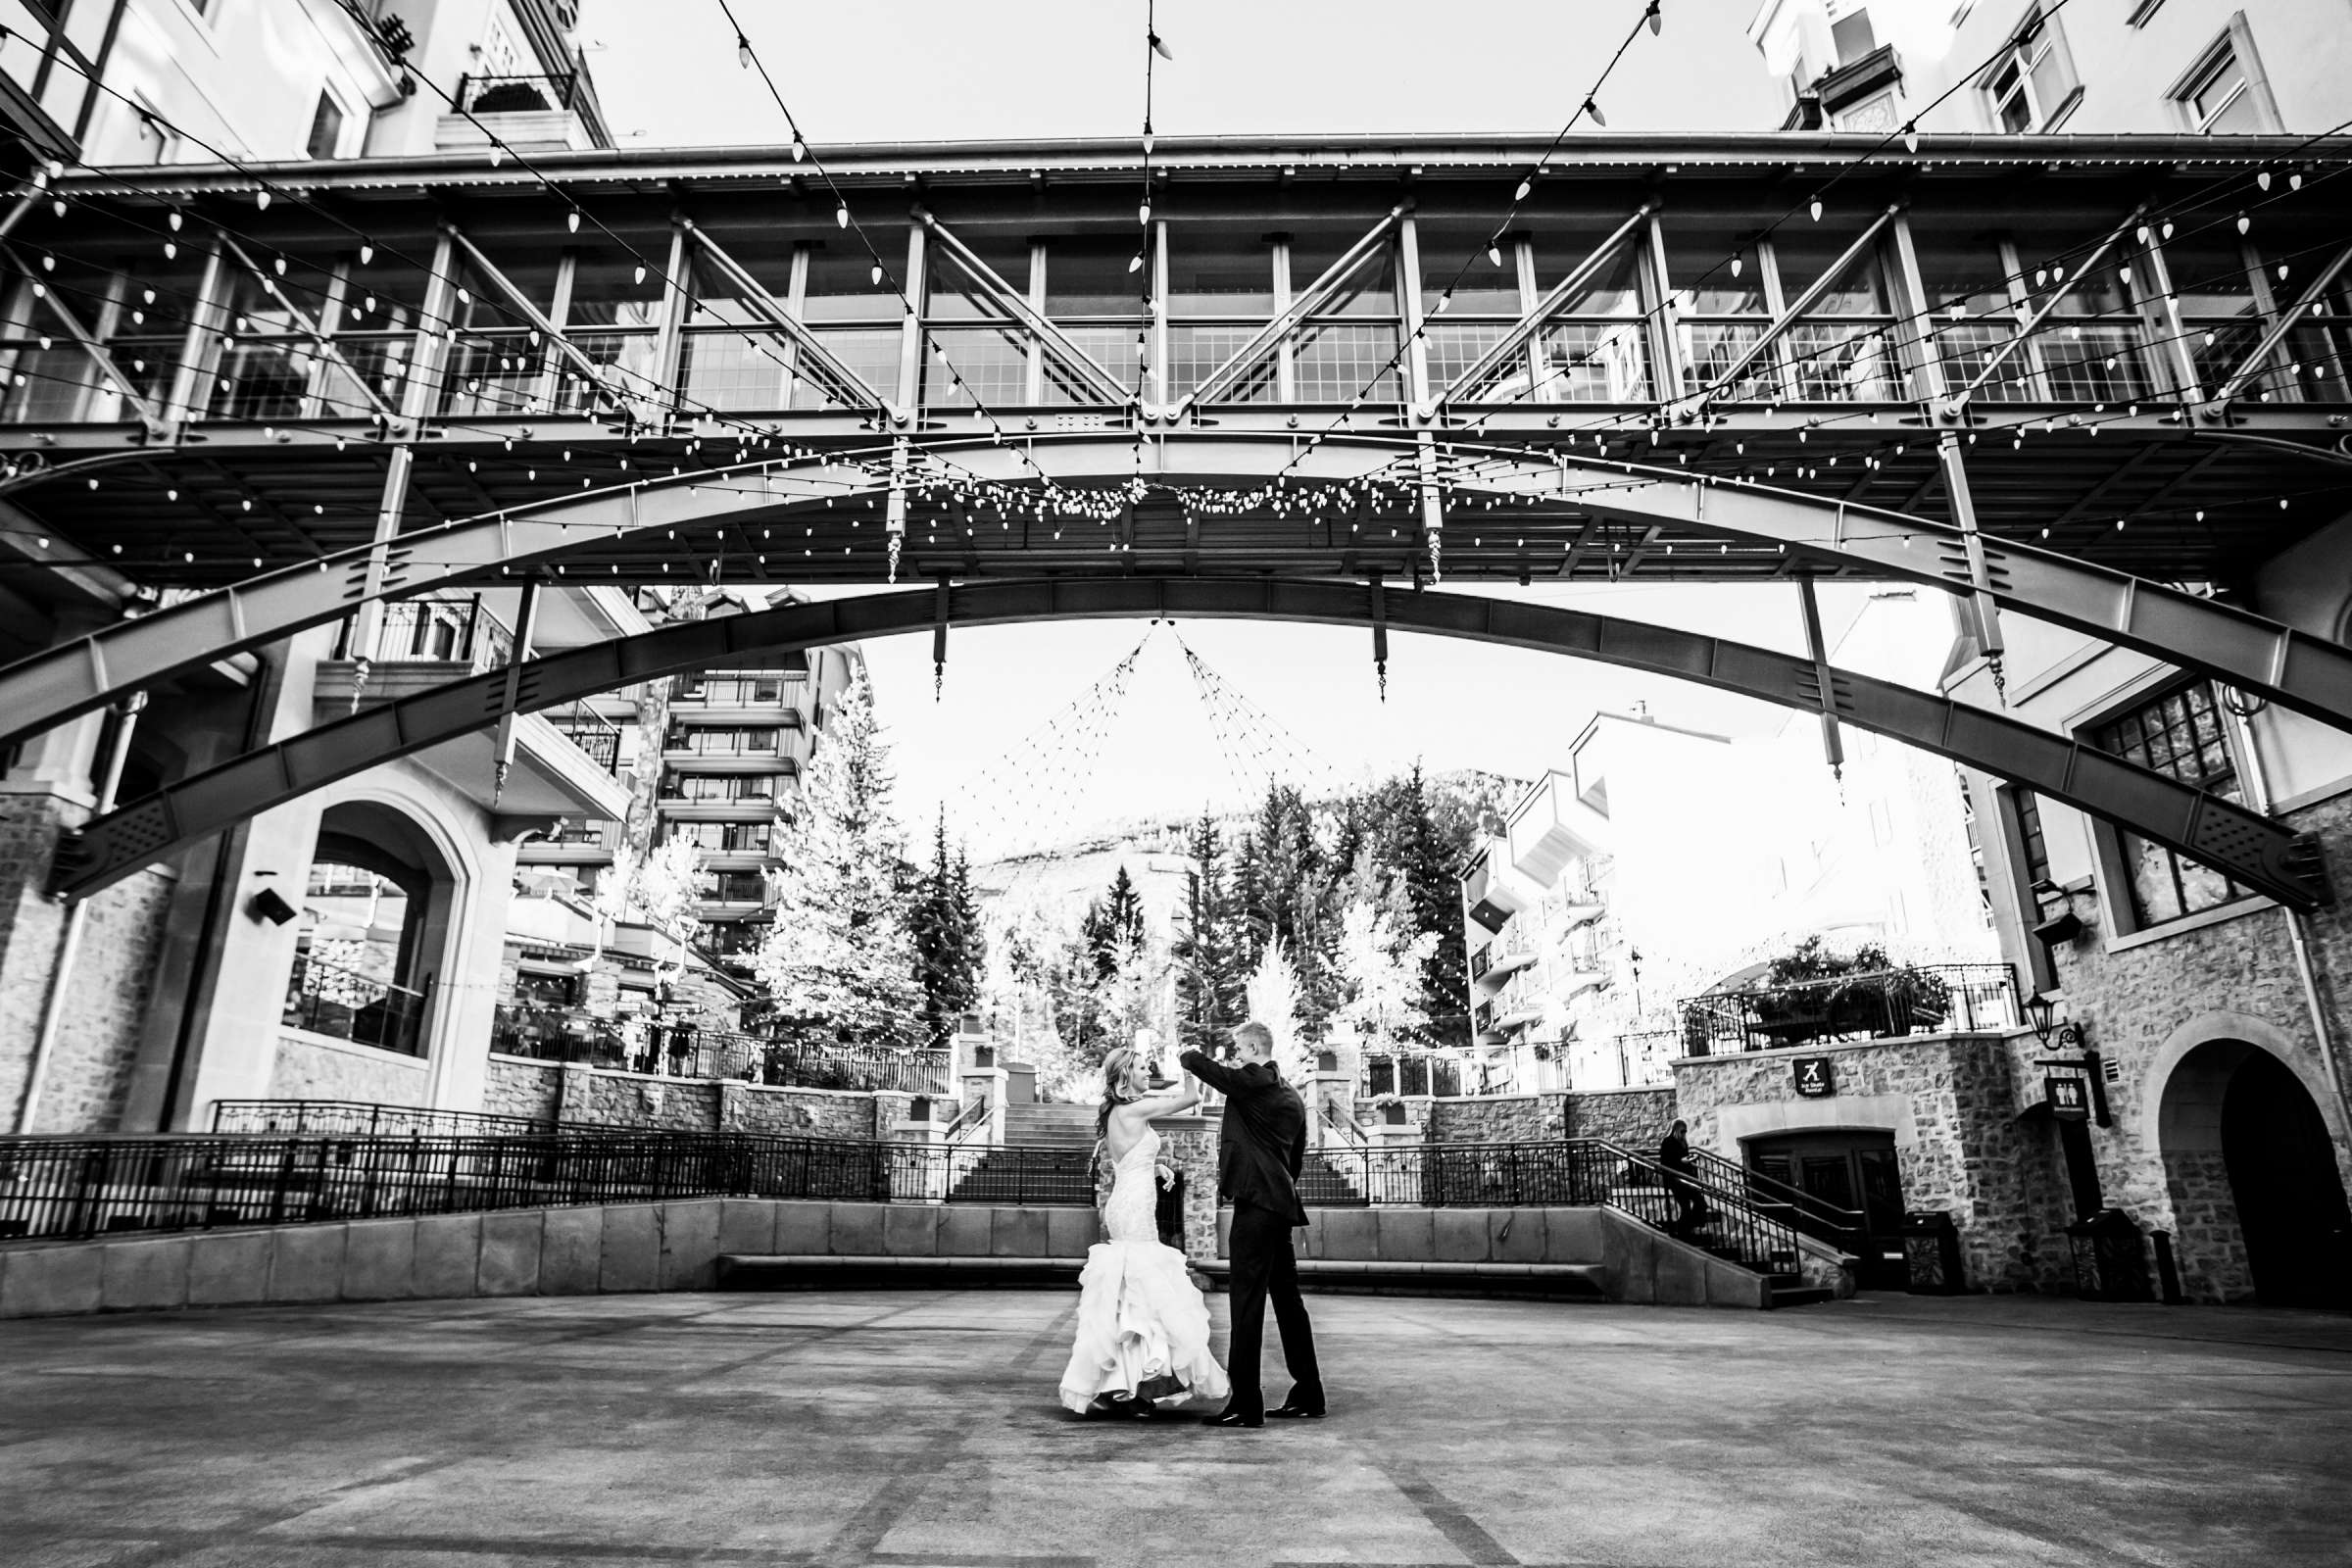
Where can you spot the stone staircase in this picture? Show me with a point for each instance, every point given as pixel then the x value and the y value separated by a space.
pixel 1049 1126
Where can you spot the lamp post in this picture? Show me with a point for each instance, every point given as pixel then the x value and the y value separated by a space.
pixel 2041 1012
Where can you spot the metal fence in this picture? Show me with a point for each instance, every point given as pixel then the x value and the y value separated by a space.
pixel 684 1050
pixel 1711 1208
pixel 358 1118
pixel 74 1188
pixel 1919 999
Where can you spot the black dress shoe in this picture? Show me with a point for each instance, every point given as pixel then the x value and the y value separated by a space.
pixel 1294 1412
pixel 1235 1418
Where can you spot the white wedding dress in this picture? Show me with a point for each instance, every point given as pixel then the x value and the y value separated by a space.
pixel 1140 1317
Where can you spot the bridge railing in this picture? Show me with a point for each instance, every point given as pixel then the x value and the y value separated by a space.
pixel 1917 999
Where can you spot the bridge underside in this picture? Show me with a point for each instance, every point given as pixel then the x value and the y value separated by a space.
pixel 2261 852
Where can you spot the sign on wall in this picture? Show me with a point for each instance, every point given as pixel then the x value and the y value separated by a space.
pixel 2068 1094
pixel 1814 1076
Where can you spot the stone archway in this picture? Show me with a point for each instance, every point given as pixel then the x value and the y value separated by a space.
pixel 2252 1171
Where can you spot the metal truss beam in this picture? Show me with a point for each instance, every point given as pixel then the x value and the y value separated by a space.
pixel 2258 851
pixel 2024 333
pixel 320 339
pixel 1796 309
pixel 590 372
pixel 1305 304
pixel 1004 294
pixel 2288 320
pixel 87 342
pixel 849 383
pixel 1532 323
pixel 2309 675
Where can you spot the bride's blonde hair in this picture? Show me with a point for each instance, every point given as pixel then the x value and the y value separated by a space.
pixel 1115 1068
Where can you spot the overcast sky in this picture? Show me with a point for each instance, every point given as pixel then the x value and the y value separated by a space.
pixel 922 70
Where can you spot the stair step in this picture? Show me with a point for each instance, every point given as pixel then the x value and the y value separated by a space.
pixel 1802 1295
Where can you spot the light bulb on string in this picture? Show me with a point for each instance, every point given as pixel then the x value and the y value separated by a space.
pixel 841 215
pixel 1593 113
pixel 571 220
pixel 743 51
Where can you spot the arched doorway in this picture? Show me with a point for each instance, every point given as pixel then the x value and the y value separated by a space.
pixel 375 917
pixel 2256 1194
pixel 2290 1198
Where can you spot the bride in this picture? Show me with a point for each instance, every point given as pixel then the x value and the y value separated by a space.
pixel 1143 1328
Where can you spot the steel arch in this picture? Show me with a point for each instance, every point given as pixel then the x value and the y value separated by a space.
pixel 2297 670
pixel 2258 851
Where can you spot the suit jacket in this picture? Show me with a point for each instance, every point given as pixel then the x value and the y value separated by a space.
pixel 1262 1139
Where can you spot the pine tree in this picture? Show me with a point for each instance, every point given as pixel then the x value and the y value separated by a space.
pixel 839 965
pixel 948 950
pixel 1423 864
pixel 1209 945
pixel 1115 919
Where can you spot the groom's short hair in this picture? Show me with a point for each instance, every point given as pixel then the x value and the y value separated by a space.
pixel 1255 1037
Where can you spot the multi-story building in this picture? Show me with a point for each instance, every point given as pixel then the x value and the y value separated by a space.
pixel 2221 67
pixel 712 758
pixel 1661 862
pixel 174 81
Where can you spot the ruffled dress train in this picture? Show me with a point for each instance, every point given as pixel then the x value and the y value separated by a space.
pixel 1143 1327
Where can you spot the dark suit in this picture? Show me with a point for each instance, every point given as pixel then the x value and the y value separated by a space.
pixel 1259 1147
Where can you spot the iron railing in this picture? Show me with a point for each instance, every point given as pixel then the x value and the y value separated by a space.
pixel 684 1050
pixel 1808 1213
pixel 351 1118
pixel 1917 999
pixel 65 1188
pixel 330 998
pixel 1719 1215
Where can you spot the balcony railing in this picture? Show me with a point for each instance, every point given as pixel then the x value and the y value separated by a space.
pixel 439 629
pixel 1412 1075
pixel 683 1050
pixel 330 998
pixel 507 95
pixel 1921 999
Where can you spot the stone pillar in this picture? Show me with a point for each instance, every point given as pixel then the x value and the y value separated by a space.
pixel 575 1093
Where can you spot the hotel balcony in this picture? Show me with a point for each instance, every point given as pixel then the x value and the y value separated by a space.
pixel 528 114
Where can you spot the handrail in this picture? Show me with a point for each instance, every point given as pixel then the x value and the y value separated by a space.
pixel 1811 1213
pixel 1348 1130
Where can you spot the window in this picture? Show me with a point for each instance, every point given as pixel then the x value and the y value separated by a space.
pixel 2178 735
pixel 327 128
pixel 2031 84
pixel 2037 850
pixel 1853 35
pixel 2220 95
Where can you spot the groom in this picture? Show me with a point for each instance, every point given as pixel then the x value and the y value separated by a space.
pixel 1259 1146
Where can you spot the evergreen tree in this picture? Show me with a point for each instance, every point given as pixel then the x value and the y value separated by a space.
pixel 1424 864
pixel 1210 946
pixel 1249 899
pixel 839 965
pixel 1115 919
pixel 949 949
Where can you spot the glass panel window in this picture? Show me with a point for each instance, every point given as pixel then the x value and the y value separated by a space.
pixel 958 293
pixel 1366 289
pixel 1216 273
pixel 2179 735
pixel 2033 82
pixel 2218 99
pixel 1610 290
pixel 841 283
pixel 1459 256
pixel 1713 271
pixel 1091 277
pixel 327 128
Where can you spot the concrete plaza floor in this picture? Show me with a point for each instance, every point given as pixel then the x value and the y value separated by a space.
pixel 920 1428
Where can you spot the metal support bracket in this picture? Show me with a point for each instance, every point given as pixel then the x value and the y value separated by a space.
pixel 157 427
pixel 2033 324
pixel 526 625
pixel 1825 675
pixel 2288 320
pixel 1797 308
pixel 1021 310
pixel 848 383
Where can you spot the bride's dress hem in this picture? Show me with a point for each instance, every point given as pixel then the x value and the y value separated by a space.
pixel 1140 1316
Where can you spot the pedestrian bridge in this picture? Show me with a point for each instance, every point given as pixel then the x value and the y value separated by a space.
pixel 2081 379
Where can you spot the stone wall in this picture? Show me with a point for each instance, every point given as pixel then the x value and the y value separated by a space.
pixel 1951 1102
pixel 2234 978
pixel 604 1099
pixel 517 1085
pixel 1631 1118
pixel 110 991
pixel 313 1066
pixel 1498 1119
